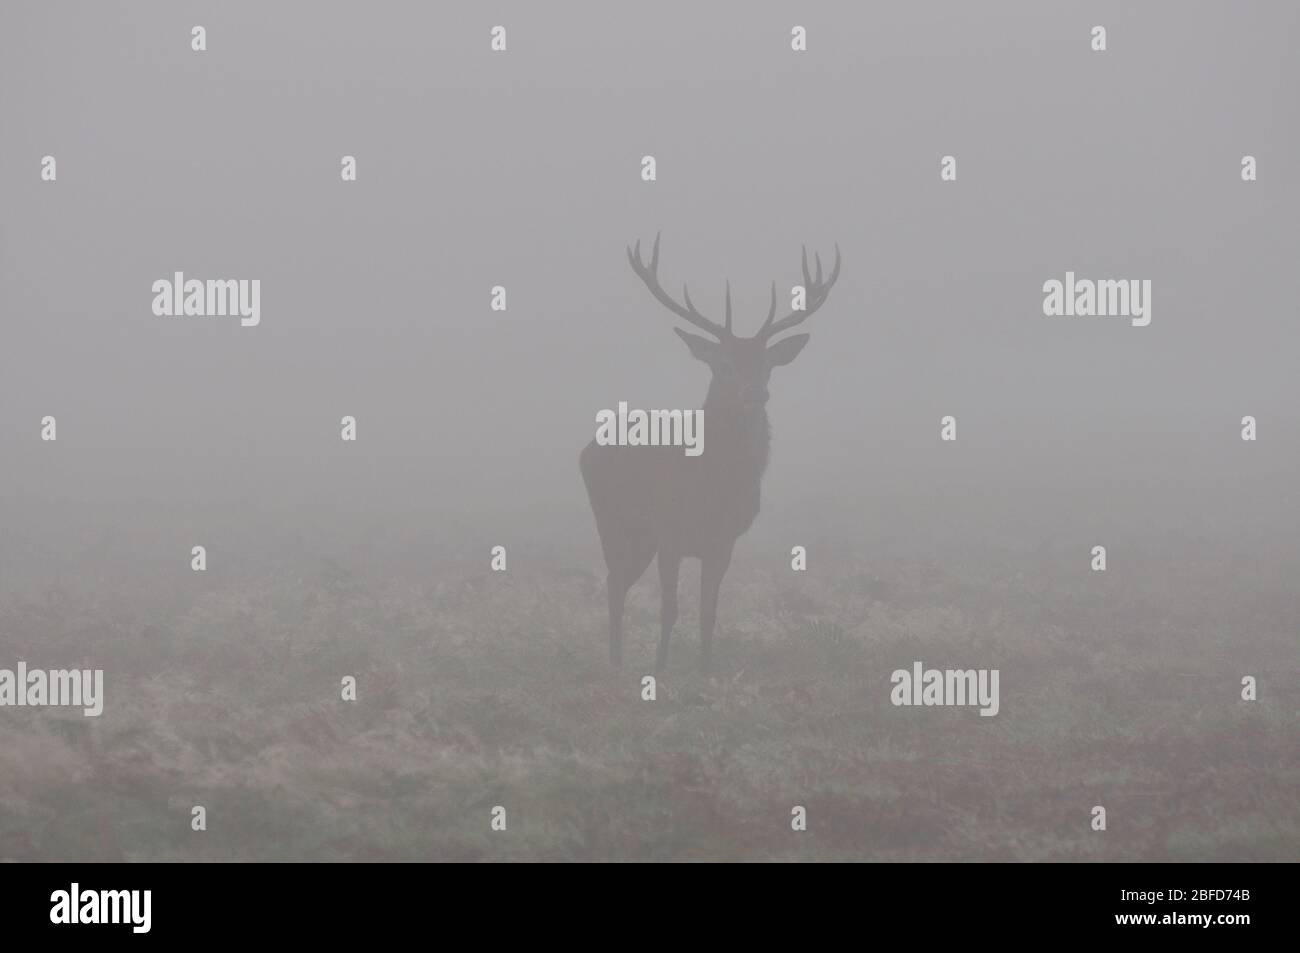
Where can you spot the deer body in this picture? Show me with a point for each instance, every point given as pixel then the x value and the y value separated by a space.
pixel 656 501
pixel 668 502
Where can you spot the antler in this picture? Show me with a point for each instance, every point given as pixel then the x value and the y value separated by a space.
pixel 816 289
pixel 649 274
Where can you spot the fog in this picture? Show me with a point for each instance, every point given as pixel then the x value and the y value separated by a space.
pixel 523 169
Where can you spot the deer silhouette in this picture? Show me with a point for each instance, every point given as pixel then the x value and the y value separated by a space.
pixel 654 500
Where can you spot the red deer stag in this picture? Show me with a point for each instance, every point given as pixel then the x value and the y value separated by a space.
pixel 651 500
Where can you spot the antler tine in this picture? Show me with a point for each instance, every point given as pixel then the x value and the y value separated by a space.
pixel 650 275
pixel 835 272
pixel 686 296
pixel 816 290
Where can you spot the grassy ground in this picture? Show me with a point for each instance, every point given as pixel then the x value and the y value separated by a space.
pixel 480 689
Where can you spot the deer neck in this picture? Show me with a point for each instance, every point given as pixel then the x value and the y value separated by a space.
pixel 740 435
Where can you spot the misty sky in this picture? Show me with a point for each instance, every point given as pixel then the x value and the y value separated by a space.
pixel 522 169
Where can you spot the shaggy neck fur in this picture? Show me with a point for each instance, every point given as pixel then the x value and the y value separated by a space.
pixel 741 435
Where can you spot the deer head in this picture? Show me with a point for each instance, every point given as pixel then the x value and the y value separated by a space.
pixel 740 366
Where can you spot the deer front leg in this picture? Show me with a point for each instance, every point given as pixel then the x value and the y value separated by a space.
pixel 626 564
pixel 669 565
pixel 713 567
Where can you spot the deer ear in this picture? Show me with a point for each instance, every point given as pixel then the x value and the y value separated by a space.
pixel 786 350
pixel 701 348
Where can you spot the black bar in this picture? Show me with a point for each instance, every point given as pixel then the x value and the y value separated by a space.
pixel 332 903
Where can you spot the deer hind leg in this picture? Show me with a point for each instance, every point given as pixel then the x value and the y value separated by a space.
pixel 713 566
pixel 625 568
pixel 669 564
